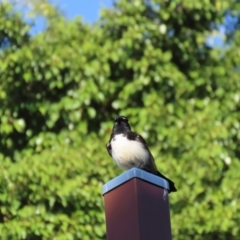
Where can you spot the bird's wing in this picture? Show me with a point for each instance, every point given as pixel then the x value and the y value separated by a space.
pixel 109 148
pixel 150 164
pixel 136 137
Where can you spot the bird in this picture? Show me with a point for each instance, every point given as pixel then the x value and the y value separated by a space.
pixel 128 149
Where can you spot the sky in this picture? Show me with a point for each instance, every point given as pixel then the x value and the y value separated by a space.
pixel 89 10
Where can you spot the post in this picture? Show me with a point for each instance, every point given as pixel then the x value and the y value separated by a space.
pixel 137 207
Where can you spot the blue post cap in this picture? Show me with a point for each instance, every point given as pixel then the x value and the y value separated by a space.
pixel 134 173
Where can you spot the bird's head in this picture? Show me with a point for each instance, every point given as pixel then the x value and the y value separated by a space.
pixel 121 125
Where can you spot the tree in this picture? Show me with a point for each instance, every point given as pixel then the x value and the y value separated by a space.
pixel 148 60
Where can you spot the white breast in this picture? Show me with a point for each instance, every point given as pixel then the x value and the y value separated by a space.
pixel 128 153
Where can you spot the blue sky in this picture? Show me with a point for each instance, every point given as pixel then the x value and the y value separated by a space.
pixel 89 10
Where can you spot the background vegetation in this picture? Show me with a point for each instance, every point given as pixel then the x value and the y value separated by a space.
pixel 148 60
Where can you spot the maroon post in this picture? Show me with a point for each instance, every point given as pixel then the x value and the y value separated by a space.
pixel 137 207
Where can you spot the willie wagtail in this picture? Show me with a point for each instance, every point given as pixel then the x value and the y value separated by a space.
pixel 128 149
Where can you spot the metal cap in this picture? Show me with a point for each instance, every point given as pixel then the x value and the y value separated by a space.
pixel 134 173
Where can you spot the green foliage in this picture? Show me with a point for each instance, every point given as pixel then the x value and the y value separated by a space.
pixel 61 89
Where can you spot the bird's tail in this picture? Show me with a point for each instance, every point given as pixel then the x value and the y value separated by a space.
pixel 172 187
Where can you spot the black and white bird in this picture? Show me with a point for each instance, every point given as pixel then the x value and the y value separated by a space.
pixel 128 149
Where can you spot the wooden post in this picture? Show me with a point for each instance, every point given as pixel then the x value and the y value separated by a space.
pixel 137 207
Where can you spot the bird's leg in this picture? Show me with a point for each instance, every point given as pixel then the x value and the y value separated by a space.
pixel 140 165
